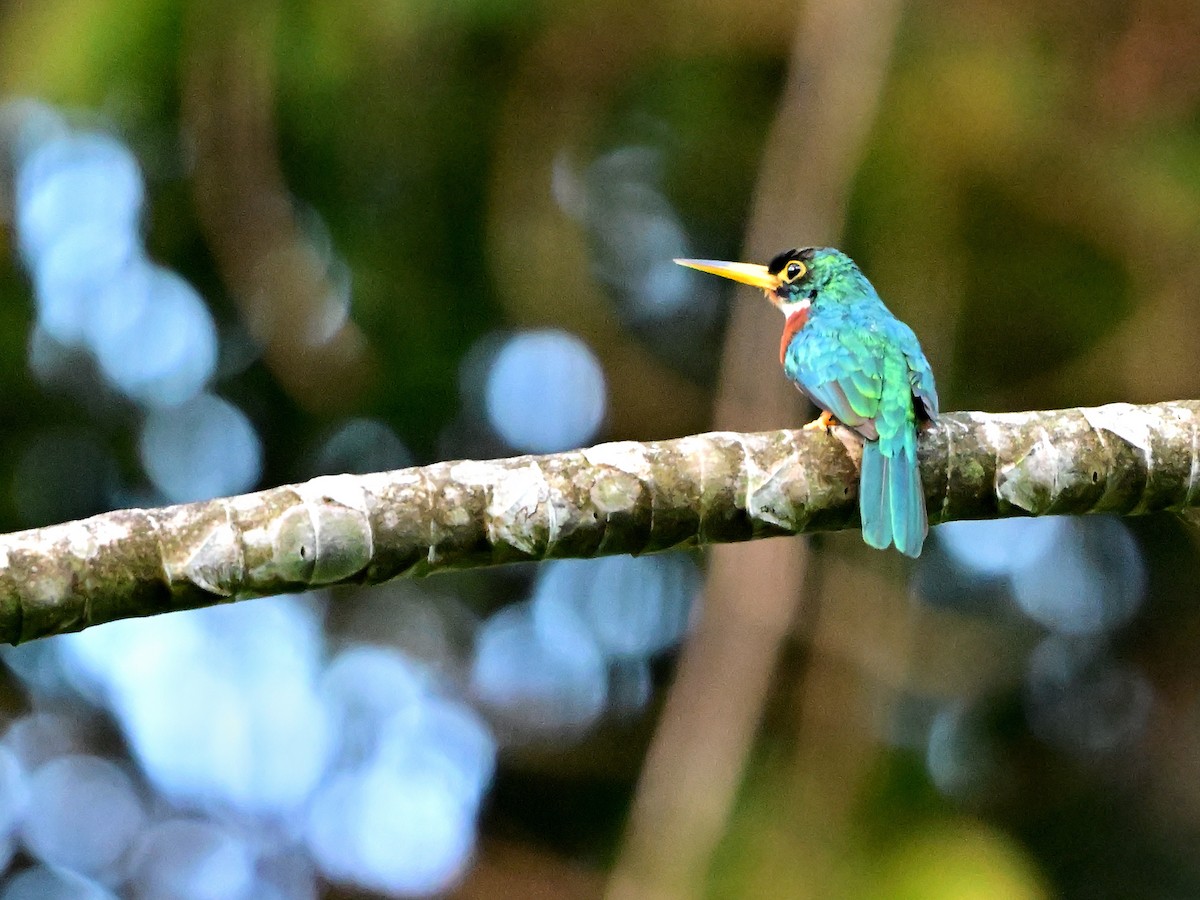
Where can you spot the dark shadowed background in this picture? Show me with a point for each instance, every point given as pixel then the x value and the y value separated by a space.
pixel 244 244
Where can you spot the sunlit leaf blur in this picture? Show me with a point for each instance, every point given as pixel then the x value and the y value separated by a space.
pixel 245 244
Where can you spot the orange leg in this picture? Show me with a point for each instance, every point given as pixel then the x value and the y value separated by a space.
pixel 823 422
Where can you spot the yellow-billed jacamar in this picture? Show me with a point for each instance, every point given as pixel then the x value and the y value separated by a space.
pixel 863 367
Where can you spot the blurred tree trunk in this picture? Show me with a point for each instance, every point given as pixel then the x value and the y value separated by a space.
pixel 753 593
pixel 280 283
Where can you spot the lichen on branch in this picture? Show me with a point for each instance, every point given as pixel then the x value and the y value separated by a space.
pixel 623 497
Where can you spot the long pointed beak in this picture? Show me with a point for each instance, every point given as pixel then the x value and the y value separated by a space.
pixel 746 273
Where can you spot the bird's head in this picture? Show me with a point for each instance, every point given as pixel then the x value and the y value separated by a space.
pixel 792 281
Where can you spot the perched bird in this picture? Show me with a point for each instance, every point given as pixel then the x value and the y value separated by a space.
pixel 863 367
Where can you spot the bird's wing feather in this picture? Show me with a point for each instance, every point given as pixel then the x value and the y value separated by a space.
pixel 920 375
pixel 842 372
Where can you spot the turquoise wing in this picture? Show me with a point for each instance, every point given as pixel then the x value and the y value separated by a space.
pixel 842 371
pixel 920 374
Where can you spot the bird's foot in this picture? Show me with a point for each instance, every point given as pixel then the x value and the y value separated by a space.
pixel 823 422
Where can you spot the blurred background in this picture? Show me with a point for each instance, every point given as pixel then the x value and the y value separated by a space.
pixel 248 243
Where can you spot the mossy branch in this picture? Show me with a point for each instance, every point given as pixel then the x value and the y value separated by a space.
pixel 613 498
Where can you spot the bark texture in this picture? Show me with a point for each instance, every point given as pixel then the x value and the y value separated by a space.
pixel 614 498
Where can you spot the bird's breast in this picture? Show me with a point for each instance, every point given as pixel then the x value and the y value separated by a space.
pixel 795 321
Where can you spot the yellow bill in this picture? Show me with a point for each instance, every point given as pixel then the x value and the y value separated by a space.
pixel 746 273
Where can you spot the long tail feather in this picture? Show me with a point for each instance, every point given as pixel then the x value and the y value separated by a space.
pixel 891 500
pixel 910 523
pixel 873 489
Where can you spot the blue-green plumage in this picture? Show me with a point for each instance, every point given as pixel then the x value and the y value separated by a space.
pixel 854 359
pixel 862 364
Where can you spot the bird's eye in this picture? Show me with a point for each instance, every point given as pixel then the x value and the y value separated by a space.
pixel 794 270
